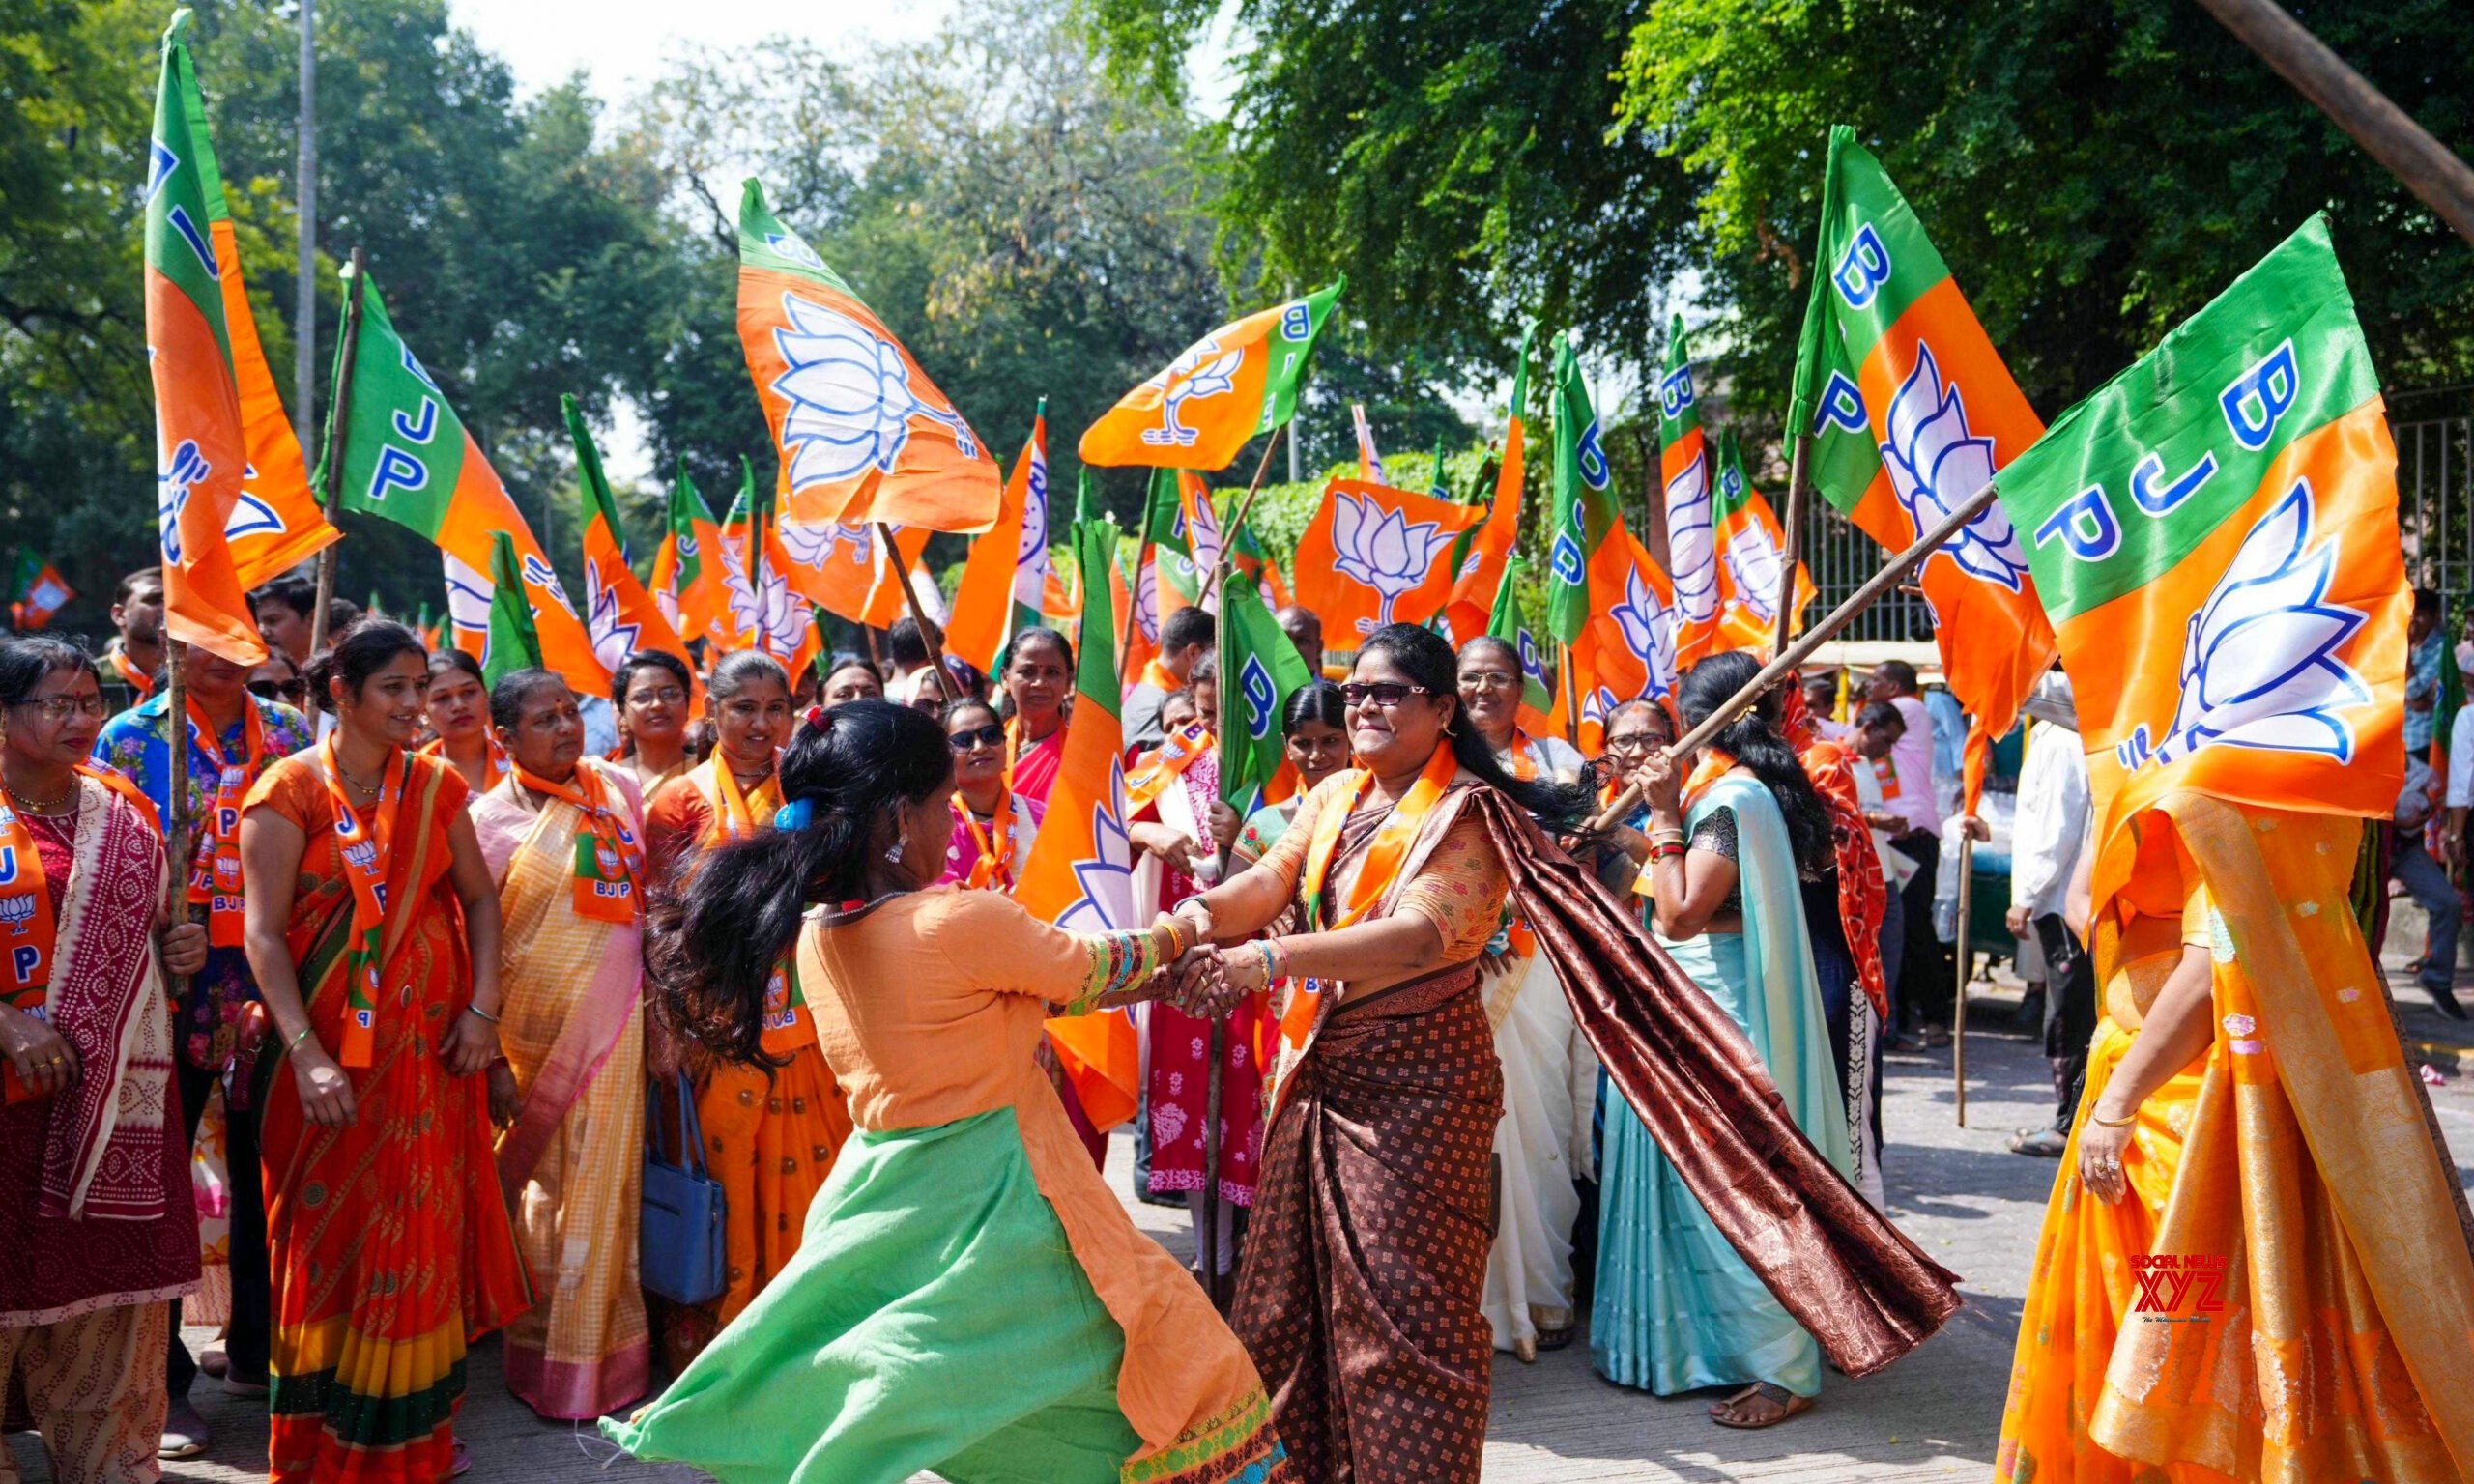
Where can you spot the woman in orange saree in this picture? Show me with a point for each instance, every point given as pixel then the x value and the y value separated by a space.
pixel 373 930
pixel 2254 1265
pixel 770 1140
pixel 563 839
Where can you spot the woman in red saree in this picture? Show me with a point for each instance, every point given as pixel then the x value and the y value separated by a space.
pixel 95 1226
pixel 1037 671
pixel 373 930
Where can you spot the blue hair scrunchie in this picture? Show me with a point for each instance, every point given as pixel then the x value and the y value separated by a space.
pixel 795 815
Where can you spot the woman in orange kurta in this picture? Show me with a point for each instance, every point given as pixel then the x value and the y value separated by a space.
pixel 377 953
pixel 970 1298
pixel 770 1140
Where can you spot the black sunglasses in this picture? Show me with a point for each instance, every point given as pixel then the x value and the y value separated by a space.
pixel 1383 693
pixel 279 690
pixel 990 735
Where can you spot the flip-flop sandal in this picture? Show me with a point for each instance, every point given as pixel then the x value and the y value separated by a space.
pixel 463 1464
pixel 1787 1403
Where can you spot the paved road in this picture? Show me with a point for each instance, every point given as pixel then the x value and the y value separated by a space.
pixel 1936 1414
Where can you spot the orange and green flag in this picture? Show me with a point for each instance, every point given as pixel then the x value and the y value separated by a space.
pixel 1240 380
pixel 619 616
pixel 1080 870
pixel 1478 582
pixel 1505 622
pixel 1685 473
pixel 2235 491
pixel 200 445
pixel 1584 560
pixel 687 574
pixel 1752 557
pixel 863 434
pixel 1910 411
pixel 513 642
pixel 1005 577
pixel 407 458
pixel 36 590
pixel 275 522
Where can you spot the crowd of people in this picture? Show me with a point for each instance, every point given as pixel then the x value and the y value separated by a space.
pixel 455 959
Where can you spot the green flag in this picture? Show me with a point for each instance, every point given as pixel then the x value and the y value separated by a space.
pixel 1537 686
pixel 1586 512
pixel 513 643
pixel 1267 670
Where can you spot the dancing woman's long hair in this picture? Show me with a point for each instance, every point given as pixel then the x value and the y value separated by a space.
pixel 1753 740
pixel 717 932
pixel 1426 658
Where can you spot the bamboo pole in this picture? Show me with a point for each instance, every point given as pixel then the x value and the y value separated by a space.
pixel 1237 522
pixel 1967 955
pixel 911 597
pixel 1133 599
pixel 2389 134
pixel 1799 496
pixel 1874 589
pixel 176 777
pixel 338 417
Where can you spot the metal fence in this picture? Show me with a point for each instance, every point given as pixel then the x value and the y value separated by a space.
pixel 2434 516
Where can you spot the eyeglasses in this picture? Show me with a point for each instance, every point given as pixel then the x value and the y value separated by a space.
pixel 1385 693
pixel 1489 680
pixel 279 690
pixel 59 708
pixel 990 735
pixel 667 695
pixel 1634 741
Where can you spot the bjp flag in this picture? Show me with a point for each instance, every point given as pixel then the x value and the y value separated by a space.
pixel 1005 577
pixel 2234 491
pixel 1238 380
pixel 1080 871
pixel 1482 572
pixel 275 523
pixel 1684 471
pixel 1910 411
pixel 200 445
pixel 687 584
pixel 846 569
pixel 1752 557
pixel 863 435
pixel 1376 556
pixel 408 459
pixel 619 613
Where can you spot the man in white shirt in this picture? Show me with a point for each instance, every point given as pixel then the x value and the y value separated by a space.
pixel 1925 983
pixel 2045 839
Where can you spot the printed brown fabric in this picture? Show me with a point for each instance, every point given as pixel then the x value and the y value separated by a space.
pixel 1866 1293
pixel 1358 1299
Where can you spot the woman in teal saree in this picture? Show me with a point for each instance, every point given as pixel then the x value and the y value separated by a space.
pixel 1676 1309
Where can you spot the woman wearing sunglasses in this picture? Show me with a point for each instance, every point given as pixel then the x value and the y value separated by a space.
pixel 278 679
pixel 993 826
pixel 1386 1091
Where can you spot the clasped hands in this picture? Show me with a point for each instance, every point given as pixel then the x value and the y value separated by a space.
pixel 1207 981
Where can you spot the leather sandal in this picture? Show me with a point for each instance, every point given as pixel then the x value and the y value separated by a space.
pixel 1787 1403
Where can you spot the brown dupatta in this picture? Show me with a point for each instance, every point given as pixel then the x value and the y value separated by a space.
pixel 1867 1293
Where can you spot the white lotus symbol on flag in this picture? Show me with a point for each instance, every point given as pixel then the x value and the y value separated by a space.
pixel 1381 548
pixel 613 638
pixel 180 473
pixel 850 401
pixel 1936 463
pixel 742 598
pixel 1107 879
pixel 250 516
pixel 467 598
pixel 812 544
pixel 1754 563
pixel 1692 542
pixel 538 573
pixel 2259 665
pixel 1648 632
pixel 1202 372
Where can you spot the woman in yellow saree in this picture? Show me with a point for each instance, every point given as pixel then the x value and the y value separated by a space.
pixel 2255 1261
pixel 563 836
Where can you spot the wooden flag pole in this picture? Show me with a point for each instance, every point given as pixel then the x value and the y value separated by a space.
pixel 1875 587
pixel 176 776
pixel 918 615
pixel 1966 953
pixel 1133 600
pixel 338 417
pixel 2386 133
pixel 1798 497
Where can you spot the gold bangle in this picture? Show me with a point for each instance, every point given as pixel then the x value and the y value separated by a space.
pixel 294 1044
pixel 2109 1123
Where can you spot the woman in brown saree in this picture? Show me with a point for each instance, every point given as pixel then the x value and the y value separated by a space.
pixel 1359 1295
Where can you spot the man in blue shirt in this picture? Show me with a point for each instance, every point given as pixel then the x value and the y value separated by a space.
pixel 2423 648
pixel 234 737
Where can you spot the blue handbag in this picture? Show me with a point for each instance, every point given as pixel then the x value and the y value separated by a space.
pixel 682 1257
